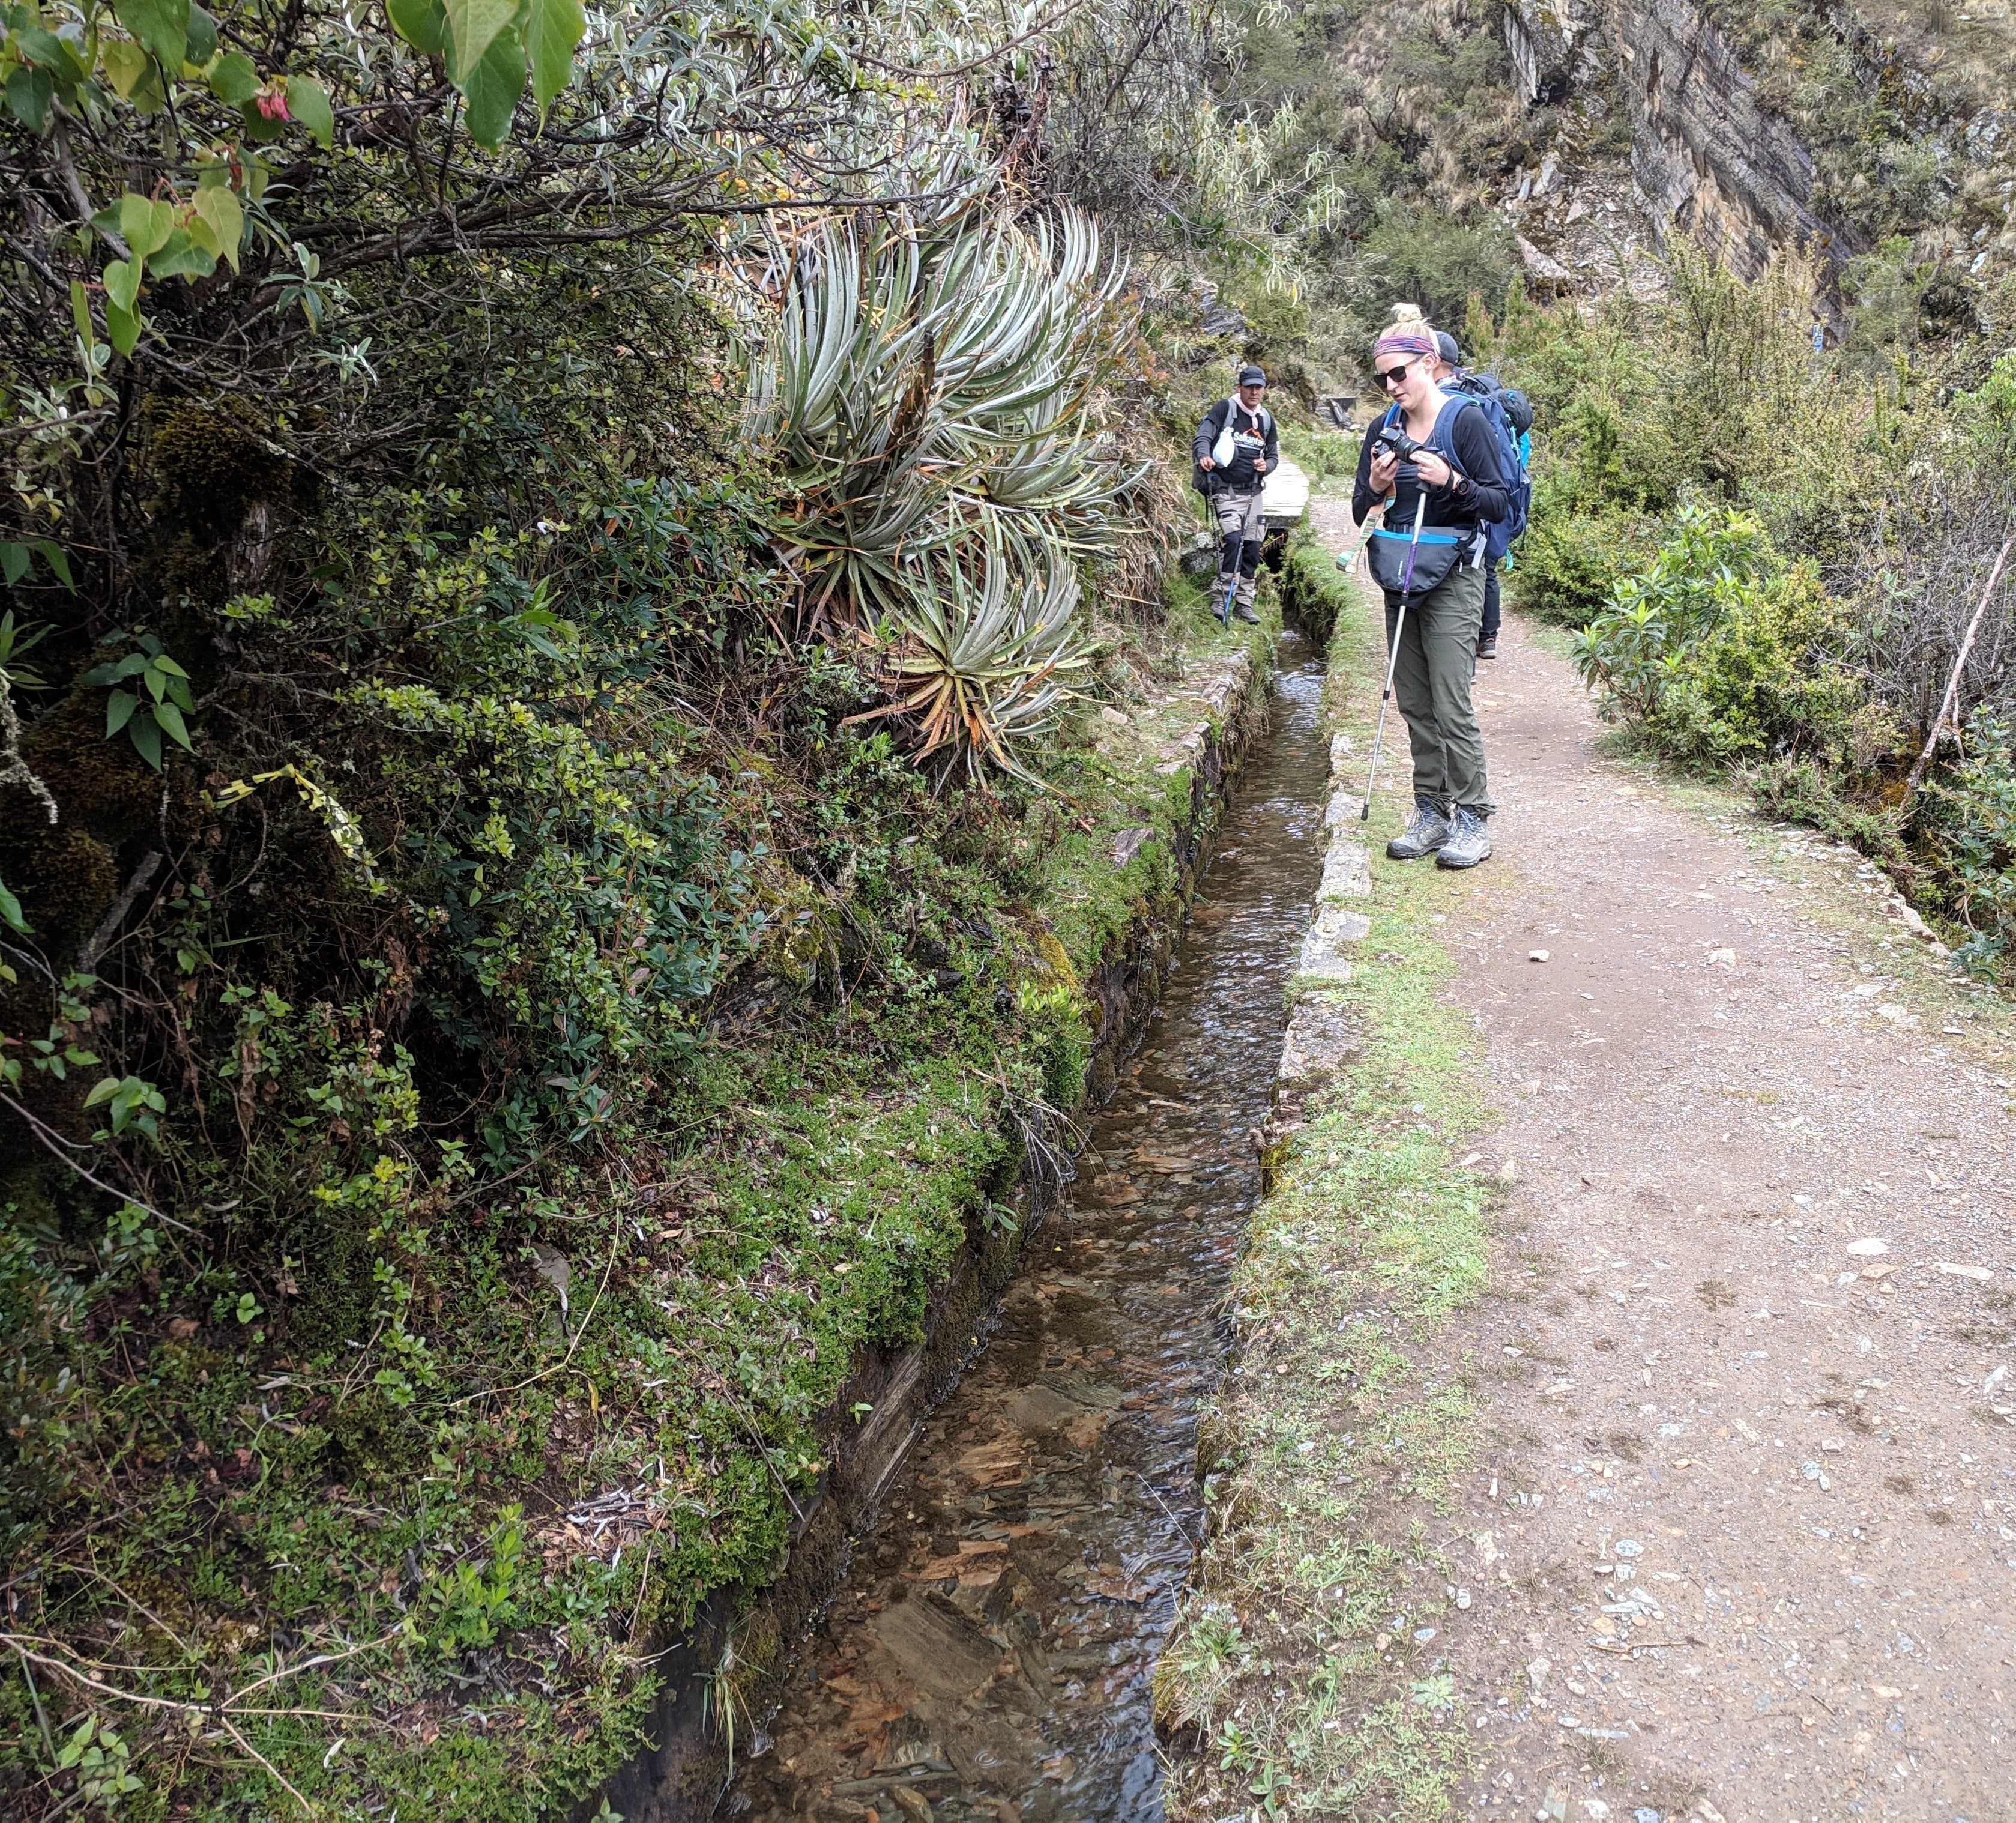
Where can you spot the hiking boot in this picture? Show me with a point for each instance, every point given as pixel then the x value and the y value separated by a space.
pixel 1423 836
pixel 1244 612
pixel 1469 841
pixel 1487 647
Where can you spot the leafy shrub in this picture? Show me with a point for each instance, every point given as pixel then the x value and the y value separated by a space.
pixel 1429 259
pixel 1970 843
pixel 1633 649
pixel 1572 559
pixel 1714 391
pixel 1718 651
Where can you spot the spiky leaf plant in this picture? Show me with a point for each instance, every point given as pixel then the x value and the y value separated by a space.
pixel 931 389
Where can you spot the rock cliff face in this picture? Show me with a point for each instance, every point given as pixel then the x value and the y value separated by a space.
pixel 1707 161
pixel 1712 162
pixel 1749 130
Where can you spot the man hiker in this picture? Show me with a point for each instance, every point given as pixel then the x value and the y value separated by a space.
pixel 1235 448
pixel 1451 375
pixel 1432 461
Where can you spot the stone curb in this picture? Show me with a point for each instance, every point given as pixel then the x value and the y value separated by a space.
pixel 1320 1038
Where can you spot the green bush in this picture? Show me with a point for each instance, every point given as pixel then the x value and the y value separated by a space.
pixel 1572 559
pixel 1970 844
pixel 1429 259
pixel 1633 649
pixel 1717 650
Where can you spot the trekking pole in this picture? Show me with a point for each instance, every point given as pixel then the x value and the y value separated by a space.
pixel 1393 659
pixel 1225 606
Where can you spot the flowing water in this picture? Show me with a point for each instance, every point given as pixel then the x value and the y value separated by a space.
pixel 988 1656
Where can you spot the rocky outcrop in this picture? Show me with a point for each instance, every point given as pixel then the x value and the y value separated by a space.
pixel 1715 165
pixel 1709 161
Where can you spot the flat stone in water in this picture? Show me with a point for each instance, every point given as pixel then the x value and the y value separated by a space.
pixel 942 1652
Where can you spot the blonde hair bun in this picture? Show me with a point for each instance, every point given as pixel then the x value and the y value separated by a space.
pixel 1409 330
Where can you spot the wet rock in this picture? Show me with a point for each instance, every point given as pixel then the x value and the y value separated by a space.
pixel 939 1650
pixel 913 1746
pixel 1057 1399
pixel 986 1752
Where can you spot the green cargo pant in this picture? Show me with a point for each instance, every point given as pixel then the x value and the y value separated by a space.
pixel 1437 659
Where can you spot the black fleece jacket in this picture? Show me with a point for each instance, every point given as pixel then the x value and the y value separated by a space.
pixel 1481 493
pixel 1240 477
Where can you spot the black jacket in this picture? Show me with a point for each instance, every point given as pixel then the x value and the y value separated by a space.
pixel 1240 477
pixel 1481 492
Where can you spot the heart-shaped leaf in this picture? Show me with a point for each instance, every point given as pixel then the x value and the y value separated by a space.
pixel 122 327
pixel 122 284
pixel 308 101
pixel 473 27
pixel 422 24
pixel 235 79
pixel 493 91
pixel 162 26
pixel 119 707
pixel 145 226
pixel 552 28
pixel 125 63
pixel 218 206
pixel 29 94
pixel 201 44
pixel 182 258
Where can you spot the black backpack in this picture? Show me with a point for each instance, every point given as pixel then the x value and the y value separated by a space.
pixel 1518 409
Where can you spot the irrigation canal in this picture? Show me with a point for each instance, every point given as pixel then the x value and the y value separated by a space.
pixel 988 1659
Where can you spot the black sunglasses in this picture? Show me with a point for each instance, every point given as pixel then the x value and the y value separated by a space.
pixel 1393 376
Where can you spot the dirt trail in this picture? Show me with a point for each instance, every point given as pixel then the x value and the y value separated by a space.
pixel 1772 1456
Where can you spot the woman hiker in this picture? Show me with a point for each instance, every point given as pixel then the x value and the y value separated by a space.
pixel 1447 488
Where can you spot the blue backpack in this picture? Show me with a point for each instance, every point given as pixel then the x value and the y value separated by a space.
pixel 1514 448
pixel 1511 418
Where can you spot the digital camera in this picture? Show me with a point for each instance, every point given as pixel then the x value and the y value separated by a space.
pixel 1394 441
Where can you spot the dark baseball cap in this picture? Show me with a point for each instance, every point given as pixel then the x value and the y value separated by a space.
pixel 1445 347
pixel 1251 376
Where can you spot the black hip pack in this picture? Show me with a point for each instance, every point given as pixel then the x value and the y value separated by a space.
pixel 1402 565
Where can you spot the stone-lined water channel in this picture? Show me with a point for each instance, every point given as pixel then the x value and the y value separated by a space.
pixel 988 1657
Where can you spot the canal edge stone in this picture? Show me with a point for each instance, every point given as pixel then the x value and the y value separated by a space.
pixel 1323 1036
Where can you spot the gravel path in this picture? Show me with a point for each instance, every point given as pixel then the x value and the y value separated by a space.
pixel 1743 1528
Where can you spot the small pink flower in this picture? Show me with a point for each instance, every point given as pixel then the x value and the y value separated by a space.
pixel 272 103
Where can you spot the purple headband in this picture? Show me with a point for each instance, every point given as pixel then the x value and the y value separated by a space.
pixel 1408 341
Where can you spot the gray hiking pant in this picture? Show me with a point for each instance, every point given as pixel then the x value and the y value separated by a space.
pixel 1241 530
pixel 1431 680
